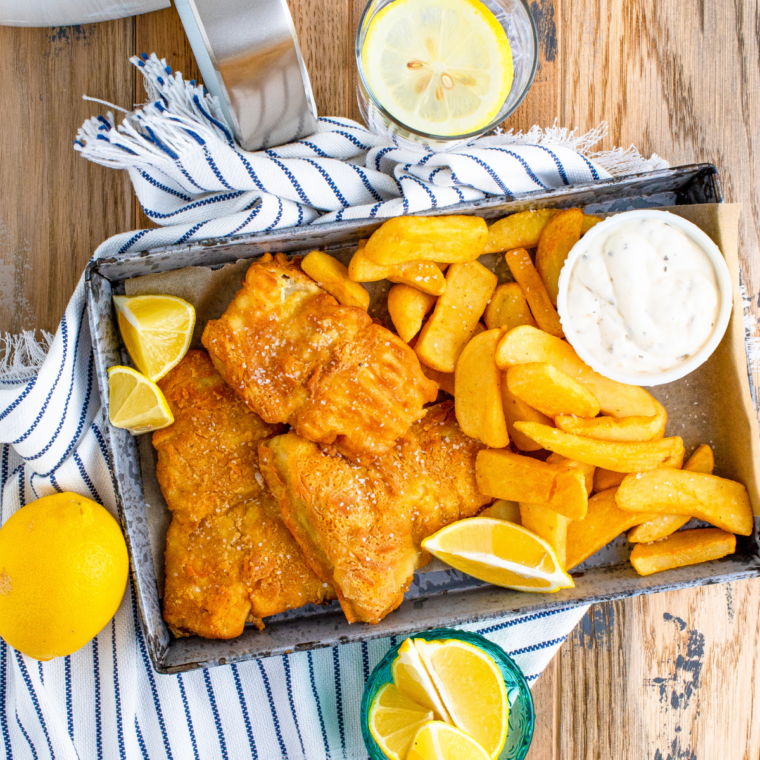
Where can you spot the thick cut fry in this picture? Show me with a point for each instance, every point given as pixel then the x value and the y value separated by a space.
pixel 701 460
pixel 604 521
pixel 446 239
pixel 408 307
pixel 516 410
pixel 723 503
pixel 508 308
pixel 456 315
pixel 445 380
pixel 423 275
pixel 617 429
pixel 503 510
pixel 477 392
pixel 513 477
pixel 551 391
pixel 688 547
pixel 587 469
pixel 589 221
pixel 546 524
pixel 604 479
pixel 535 292
pixel 331 275
pixel 527 344
pixel 619 457
pixel 558 237
pixel 520 230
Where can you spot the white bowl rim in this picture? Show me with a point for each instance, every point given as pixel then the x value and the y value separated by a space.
pixel 724 286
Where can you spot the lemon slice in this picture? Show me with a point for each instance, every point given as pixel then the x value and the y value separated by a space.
pixel 442 67
pixel 499 552
pixel 412 680
pixel 440 741
pixel 394 719
pixel 472 688
pixel 156 330
pixel 135 402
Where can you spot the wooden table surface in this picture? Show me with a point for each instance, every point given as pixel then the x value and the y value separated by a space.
pixel 669 677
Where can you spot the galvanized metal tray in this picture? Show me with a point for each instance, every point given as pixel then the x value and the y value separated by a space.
pixel 440 596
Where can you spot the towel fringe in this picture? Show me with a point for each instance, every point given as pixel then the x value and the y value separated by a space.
pixel 22 354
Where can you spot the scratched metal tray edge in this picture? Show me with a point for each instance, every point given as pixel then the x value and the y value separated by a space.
pixel 170 655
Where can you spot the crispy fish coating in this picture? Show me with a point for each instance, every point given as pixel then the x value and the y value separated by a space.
pixel 295 355
pixel 229 557
pixel 360 526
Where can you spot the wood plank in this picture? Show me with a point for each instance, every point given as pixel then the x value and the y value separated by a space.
pixel 546 704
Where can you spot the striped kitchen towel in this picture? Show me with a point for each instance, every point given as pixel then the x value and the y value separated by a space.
pixel 105 701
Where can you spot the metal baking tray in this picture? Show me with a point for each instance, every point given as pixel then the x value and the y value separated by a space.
pixel 439 596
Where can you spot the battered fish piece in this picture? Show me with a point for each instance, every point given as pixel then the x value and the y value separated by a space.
pixel 295 355
pixel 360 527
pixel 229 557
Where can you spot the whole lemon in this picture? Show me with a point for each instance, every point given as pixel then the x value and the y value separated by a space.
pixel 63 572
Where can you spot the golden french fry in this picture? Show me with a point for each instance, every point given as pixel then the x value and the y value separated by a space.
pixel 477 392
pixel 617 428
pixel 503 510
pixel 723 503
pixel 520 230
pixel 688 547
pixel 604 521
pixel 452 324
pixel 589 220
pixel 701 460
pixel 550 390
pixel 620 457
pixel 513 477
pixel 536 295
pixel 508 308
pixel 445 380
pixel 446 239
pixel 558 237
pixel 423 275
pixel 516 410
pixel 546 524
pixel 527 344
pixel 331 275
pixel 588 469
pixel 604 479
pixel 408 307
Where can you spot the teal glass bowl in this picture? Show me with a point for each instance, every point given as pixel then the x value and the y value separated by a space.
pixel 522 717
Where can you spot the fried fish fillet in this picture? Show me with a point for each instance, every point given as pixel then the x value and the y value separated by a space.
pixel 295 355
pixel 229 557
pixel 360 526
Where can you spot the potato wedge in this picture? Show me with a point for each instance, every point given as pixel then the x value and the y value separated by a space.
pixel 620 457
pixel 513 477
pixel 688 547
pixel 446 239
pixel 477 391
pixel 527 344
pixel 701 460
pixel 551 391
pixel 604 522
pixel 558 237
pixel 617 429
pixel 535 292
pixel 423 275
pixel 516 410
pixel 503 510
pixel 547 524
pixel 723 503
pixel 408 307
pixel 508 308
pixel 445 380
pixel 331 275
pixel 589 221
pixel 458 311
pixel 604 479
pixel 587 469
pixel 520 230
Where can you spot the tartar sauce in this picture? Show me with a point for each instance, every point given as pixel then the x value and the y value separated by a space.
pixel 643 298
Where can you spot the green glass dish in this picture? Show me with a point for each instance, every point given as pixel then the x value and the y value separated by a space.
pixel 522 717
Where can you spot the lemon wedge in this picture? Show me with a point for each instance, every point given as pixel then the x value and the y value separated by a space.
pixel 412 680
pixel 472 688
pixel 394 719
pixel 442 67
pixel 440 741
pixel 499 552
pixel 156 330
pixel 136 403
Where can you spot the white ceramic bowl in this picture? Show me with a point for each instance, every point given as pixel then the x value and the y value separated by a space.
pixel 724 286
